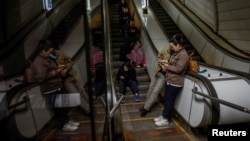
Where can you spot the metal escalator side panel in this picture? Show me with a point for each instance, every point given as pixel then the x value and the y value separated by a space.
pixel 3 106
pixel 235 91
pixel 232 94
pixel 194 109
pixel 30 117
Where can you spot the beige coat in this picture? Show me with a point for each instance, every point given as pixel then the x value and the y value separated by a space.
pixel 164 54
pixel 64 59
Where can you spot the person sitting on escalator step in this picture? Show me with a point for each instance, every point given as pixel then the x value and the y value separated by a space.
pixel 126 76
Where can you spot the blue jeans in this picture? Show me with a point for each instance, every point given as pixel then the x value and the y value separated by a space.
pixel 130 83
pixel 169 100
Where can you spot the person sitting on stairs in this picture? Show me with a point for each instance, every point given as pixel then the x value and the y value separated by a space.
pixel 126 76
pixel 157 81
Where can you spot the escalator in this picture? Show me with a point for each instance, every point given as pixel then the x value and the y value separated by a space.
pixel 170 28
pixel 62 31
pixel 25 103
pixel 204 100
pixel 136 127
pixel 210 82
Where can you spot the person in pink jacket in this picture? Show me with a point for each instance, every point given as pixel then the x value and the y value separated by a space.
pixel 137 55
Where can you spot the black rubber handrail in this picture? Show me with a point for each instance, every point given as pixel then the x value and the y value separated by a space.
pixel 110 131
pixel 212 41
pixel 229 104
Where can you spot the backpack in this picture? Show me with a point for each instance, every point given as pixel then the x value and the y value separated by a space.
pixel 193 65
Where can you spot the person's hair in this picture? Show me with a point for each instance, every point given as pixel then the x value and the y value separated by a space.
pixel 127 64
pixel 138 41
pixel 176 39
pixel 42 45
pixel 45 45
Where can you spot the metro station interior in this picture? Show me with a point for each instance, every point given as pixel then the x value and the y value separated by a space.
pixel 216 31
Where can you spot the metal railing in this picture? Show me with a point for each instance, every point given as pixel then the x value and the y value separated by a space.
pixel 229 104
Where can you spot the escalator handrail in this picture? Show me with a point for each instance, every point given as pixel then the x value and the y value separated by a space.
pixel 112 117
pixel 242 74
pixel 229 104
pixel 24 86
pixel 114 129
pixel 212 41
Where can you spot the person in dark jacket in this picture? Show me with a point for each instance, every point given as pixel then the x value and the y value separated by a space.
pixel 126 76
pixel 132 32
pixel 124 17
pixel 100 80
pixel 121 5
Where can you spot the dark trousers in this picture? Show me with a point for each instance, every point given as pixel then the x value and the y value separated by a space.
pixel 169 100
pixel 100 87
pixel 130 83
pixel 61 114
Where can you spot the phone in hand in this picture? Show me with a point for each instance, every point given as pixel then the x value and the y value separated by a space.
pixel 160 63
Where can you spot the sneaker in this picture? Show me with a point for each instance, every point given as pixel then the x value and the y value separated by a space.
pixel 138 66
pixel 69 127
pixel 143 112
pixel 158 118
pixel 162 122
pixel 137 98
pixel 74 123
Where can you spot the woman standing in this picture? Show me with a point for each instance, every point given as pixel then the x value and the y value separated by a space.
pixel 175 70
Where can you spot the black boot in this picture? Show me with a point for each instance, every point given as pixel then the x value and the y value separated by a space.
pixel 143 112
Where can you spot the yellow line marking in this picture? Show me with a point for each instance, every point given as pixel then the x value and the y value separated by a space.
pixel 88 121
pixel 138 119
pixel 186 133
pixel 50 133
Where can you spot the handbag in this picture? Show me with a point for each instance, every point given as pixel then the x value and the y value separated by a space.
pixel 67 100
pixel 193 65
